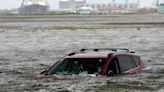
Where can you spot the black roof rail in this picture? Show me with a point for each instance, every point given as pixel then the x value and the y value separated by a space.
pixel 73 53
pixel 132 52
pixel 111 49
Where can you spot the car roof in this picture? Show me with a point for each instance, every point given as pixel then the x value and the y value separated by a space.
pixel 89 55
pixel 98 53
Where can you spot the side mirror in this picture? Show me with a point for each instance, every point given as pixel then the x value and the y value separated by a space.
pixel 43 72
pixel 110 73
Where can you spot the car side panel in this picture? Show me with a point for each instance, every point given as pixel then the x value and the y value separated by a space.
pixel 130 71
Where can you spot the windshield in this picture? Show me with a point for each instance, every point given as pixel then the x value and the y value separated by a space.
pixel 77 66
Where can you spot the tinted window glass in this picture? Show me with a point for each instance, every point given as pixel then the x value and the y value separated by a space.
pixel 136 60
pixel 71 66
pixel 125 63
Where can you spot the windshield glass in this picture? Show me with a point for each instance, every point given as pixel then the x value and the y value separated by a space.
pixel 77 66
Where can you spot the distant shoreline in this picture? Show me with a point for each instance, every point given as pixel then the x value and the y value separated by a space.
pixel 45 22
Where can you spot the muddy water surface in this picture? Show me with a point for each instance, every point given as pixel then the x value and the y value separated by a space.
pixel 23 54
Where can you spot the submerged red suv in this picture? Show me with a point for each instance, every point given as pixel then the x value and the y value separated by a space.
pixel 94 62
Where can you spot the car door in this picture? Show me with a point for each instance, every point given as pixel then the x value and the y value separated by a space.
pixel 125 63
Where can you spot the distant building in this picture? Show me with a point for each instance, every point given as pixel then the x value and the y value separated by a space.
pixel 147 7
pixel 161 7
pixel 107 8
pixel 147 4
pixel 85 10
pixel 71 4
pixel 133 6
pixel 14 12
pixel 111 9
pixel 34 6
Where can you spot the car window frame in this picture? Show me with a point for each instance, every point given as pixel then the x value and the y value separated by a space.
pixel 116 64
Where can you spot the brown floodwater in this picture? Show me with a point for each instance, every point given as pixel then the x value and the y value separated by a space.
pixel 24 54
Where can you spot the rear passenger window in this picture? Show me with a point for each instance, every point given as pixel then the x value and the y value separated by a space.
pixel 125 63
pixel 136 60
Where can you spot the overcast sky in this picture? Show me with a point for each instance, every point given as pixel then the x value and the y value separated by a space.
pixel 9 4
